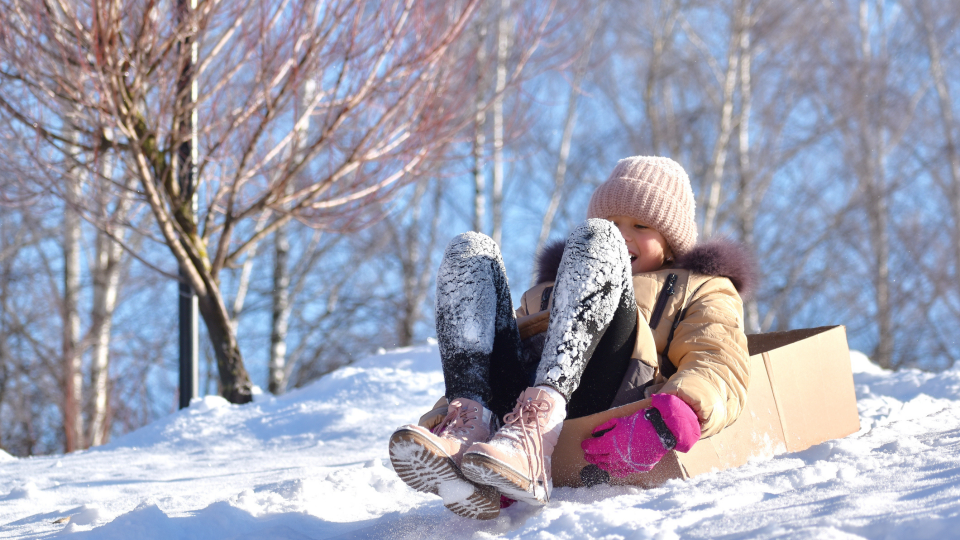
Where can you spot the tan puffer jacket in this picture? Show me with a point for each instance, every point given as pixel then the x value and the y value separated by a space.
pixel 708 350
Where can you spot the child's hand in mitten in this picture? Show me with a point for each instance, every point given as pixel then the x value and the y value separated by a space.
pixel 623 446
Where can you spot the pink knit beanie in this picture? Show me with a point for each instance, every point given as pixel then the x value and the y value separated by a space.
pixel 654 190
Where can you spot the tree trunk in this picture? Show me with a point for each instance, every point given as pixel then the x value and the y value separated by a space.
pixel 235 384
pixel 106 283
pixel 747 210
pixel 6 358
pixel 560 172
pixel 725 127
pixel 503 46
pixel 280 315
pixel 873 186
pixel 479 137
pixel 72 376
pixel 662 35
pixel 410 253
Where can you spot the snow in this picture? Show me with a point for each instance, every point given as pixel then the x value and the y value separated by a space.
pixel 593 279
pixel 313 464
pixel 470 281
pixel 473 307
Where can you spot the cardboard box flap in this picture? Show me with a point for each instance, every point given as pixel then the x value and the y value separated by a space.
pixel 813 387
pixel 761 343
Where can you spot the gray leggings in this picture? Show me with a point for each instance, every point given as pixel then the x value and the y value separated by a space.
pixel 589 339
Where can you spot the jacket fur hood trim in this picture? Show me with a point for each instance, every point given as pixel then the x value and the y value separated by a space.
pixel 718 257
pixel 548 261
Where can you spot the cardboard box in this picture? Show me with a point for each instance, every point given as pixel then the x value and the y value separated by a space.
pixel 801 394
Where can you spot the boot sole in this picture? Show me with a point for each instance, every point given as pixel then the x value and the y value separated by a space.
pixel 486 470
pixel 427 468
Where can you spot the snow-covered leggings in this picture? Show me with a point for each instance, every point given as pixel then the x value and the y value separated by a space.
pixel 593 323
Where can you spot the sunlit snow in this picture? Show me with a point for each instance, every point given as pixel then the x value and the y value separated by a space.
pixel 313 464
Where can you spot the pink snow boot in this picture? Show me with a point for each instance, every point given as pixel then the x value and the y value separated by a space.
pixel 517 459
pixel 430 461
pixel 636 443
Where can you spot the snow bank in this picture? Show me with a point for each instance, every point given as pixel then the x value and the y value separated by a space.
pixel 313 464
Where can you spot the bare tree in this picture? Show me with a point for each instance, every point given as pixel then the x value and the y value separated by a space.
pixel 872 98
pixel 280 316
pixel 569 123
pixel 31 326
pixel 868 150
pixel 414 245
pixel 873 180
pixel 385 105
pixel 925 20
pixel 767 141
pixel 713 184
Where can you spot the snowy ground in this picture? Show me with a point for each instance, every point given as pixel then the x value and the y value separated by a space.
pixel 313 464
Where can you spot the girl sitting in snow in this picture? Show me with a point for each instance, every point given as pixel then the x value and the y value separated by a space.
pixel 629 276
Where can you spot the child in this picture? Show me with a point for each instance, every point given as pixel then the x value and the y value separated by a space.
pixel 635 260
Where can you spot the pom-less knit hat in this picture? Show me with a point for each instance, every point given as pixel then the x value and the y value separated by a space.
pixel 654 190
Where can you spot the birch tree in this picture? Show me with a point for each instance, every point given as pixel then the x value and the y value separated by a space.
pixel 72 351
pixel 479 127
pixel 115 208
pixel 280 315
pixel 500 85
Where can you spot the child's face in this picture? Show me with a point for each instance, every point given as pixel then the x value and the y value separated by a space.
pixel 648 249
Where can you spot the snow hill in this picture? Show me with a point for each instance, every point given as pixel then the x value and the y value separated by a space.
pixel 313 464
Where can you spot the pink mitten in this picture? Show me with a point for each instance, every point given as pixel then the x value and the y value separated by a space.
pixel 623 446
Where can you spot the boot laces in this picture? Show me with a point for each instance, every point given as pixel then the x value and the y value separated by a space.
pixel 519 421
pixel 460 420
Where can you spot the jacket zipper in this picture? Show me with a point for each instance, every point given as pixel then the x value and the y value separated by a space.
pixel 665 294
pixel 545 298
